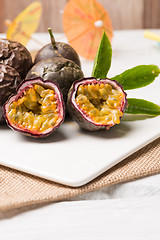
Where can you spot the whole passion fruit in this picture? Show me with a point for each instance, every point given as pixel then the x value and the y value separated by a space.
pixel 9 81
pixel 58 70
pixel 14 54
pixel 37 109
pixel 57 49
pixel 96 103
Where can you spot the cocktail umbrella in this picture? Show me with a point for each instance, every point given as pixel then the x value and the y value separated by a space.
pixel 84 22
pixel 26 23
pixel 152 35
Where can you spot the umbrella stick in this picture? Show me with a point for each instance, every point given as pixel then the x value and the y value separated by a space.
pixel 35 40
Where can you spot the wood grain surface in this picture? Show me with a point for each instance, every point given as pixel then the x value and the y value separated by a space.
pixel 112 219
pixel 125 14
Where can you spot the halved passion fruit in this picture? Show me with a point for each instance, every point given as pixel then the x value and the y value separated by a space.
pixel 96 103
pixel 37 109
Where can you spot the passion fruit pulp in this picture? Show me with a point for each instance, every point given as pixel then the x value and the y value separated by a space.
pixel 37 109
pixel 96 103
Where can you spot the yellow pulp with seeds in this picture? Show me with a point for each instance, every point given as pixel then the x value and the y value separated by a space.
pixel 36 110
pixel 100 102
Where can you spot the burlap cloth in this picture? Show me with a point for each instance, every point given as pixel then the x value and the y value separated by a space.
pixel 19 189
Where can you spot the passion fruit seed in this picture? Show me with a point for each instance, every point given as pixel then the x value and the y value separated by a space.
pixel 100 102
pixel 35 110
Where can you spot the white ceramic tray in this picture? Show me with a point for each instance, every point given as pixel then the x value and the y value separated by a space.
pixel 74 157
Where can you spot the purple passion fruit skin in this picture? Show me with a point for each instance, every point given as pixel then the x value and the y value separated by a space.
pixel 58 70
pixel 37 109
pixel 15 55
pixel 60 50
pixel 96 103
pixel 9 81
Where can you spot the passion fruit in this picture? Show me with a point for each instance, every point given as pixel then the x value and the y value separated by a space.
pixel 58 70
pixel 37 109
pixel 57 49
pixel 96 103
pixel 9 81
pixel 15 55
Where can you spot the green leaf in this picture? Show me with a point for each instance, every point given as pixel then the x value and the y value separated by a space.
pixel 103 58
pixel 138 76
pixel 140 106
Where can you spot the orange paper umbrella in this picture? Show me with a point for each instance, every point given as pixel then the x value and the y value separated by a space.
pixel 84 23
pixel 25 23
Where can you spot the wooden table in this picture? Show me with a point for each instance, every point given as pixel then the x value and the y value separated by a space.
pixel 124 211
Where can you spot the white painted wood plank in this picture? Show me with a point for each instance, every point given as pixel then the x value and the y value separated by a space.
pixel 145 187
pixel 102 219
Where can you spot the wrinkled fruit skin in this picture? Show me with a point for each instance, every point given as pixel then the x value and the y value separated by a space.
pixel 15 55
pixel 26 85
pixel 58 70
pixel 9 81
pixel 61 50
pixel 79 116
